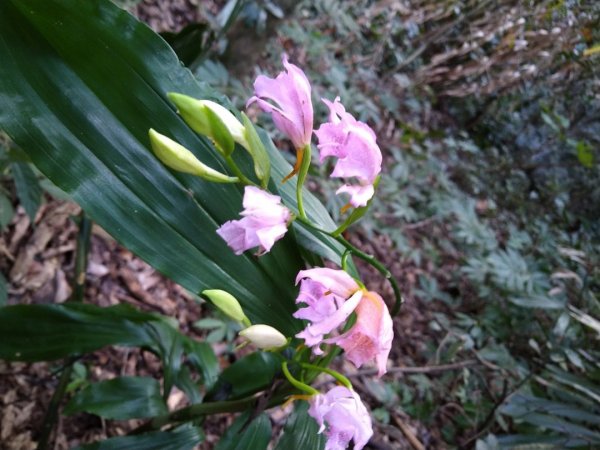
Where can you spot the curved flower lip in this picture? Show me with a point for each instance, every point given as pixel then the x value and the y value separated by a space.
pixel 330 296
pixel 341 414
pixel 336 281
pixel 291 107
pixel 370 338
pixel 314 333
pixel 264 222
pixel 354 144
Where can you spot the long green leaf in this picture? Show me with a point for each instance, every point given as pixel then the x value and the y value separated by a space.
pixel 247 433
pixel 249 374
pixel 121 398
pixel 301 431
pixel 47 332
pixel 28 187
pixel 80 85
pixel 182 439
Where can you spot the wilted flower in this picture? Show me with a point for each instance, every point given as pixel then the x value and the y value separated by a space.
pixel 291 110
pixel 372 334
pixel 265 221
pixel 343 417
pixel 264 336
pixel 331 296
pixel 354 145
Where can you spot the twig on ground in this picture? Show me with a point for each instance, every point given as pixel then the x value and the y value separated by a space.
pixel 423 369
pixel 410 436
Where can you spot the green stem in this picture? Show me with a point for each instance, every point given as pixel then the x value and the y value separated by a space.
pixel 380 268
pixel 238 173
pixel 365 257
pixel 81 257
pixel 296 383
pixel 52 412
pixel 338 376
pixel 195 411
pixel 81 260
pixel 302 173
pixel 345 258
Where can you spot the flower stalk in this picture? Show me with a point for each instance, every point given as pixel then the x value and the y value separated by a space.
pixel 296 383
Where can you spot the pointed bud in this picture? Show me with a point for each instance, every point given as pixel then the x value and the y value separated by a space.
pixel 177 157
pixel 228 304
pixel 256 148
pixel 211 119
pixel 264 336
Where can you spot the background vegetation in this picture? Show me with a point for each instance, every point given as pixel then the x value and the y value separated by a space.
pixel 488 114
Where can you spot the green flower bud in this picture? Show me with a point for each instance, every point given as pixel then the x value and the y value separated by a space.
pixel 228 304
pixel 211 119
pixel 177 157
pixel 264 337
pixel 262 163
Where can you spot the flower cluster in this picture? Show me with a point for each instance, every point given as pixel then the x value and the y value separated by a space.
pixel 337 309
pixel 329 297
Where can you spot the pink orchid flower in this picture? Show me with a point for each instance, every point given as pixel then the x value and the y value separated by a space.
pixel 372 334
pixel 343 417
pixel 265 221
pixel 292 109
pixel 354 144
pixel 330 295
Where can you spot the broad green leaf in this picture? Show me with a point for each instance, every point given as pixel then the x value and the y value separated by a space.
pixel 181 439
pixel 48 332
pixel 301 431
pixel 28 187
pixel 121 398
pixel 6 211
pixel 247 433
pixel 249 374
pixel 202 357
pixel 89 81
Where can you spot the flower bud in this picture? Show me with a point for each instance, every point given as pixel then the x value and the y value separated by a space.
pixel 177 157
pixel 228 304
pixel 264 336
pixel 262 163
pixel 211 119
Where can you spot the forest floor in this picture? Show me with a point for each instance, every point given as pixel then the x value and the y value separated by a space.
pixel 39 260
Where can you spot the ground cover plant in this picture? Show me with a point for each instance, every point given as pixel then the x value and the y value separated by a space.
pixel 485 210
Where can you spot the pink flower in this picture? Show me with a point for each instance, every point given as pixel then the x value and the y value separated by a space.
pixel 372 334
pixel 354 145
pixel 291 110
pixel 344 417
pixel 265 221
pixel 331 296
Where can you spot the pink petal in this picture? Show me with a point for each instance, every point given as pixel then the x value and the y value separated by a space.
pixel 343 417
pixel 359 195
pixel 354 144
pixel 291 110
pixel 336 281
pixel 371 336
pixel 263 223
